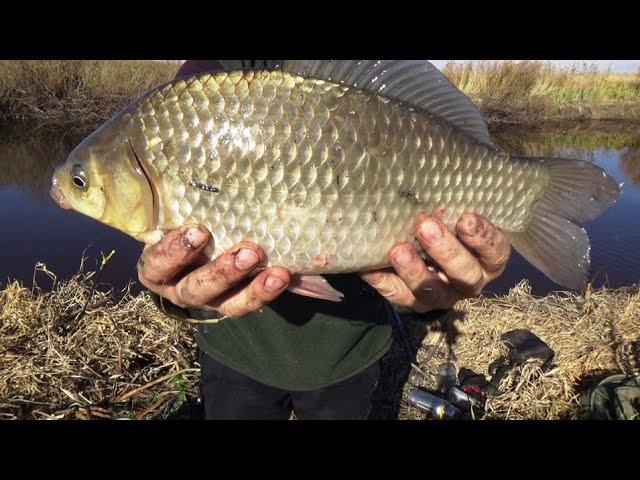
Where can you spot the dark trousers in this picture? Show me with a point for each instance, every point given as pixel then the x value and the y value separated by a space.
pixel 230 395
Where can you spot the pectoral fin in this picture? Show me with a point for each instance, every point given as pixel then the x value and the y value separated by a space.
pixel 315 286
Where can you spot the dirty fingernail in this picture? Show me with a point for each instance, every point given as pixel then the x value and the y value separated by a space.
pixel 431 231
pixel 403 257
pixel 246 259
pixel 472 226
pixel 194 238
pixel 273 284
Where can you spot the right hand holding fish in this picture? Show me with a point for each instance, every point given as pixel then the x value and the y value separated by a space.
pixel 177 269
pixel 467 261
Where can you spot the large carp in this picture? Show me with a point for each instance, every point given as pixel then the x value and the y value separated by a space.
pixel 326 165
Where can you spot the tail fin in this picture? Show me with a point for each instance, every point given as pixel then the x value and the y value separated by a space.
pixel 554 240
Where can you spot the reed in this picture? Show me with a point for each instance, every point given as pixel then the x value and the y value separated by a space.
pixel 79 351
pixel 530 91
pixel 73 97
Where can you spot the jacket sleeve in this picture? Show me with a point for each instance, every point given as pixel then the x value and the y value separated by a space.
pixel 191 67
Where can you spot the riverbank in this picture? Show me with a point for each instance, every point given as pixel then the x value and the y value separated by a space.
pixel 79 352
pixel 532 92
pixel 72 98
pixel 593 335
pixel 84 353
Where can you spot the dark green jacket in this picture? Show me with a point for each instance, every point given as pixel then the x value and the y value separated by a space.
pixel 300 343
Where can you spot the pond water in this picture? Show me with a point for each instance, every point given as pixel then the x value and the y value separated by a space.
pixel 34 229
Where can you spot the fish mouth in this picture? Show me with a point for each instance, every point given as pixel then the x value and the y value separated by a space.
pixel 57 195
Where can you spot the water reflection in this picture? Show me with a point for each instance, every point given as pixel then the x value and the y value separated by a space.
pixel 580 140
pixel 615 236
pixel 35 229
pixel 29 164
pixel 630 164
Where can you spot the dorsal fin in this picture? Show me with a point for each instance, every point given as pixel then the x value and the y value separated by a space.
pixel 416 82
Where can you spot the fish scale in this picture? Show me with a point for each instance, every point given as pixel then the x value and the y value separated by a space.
pixel 324 177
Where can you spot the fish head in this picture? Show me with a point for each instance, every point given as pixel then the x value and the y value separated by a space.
pixel 104 178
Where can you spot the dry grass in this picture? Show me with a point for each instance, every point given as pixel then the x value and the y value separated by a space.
pixel 530 91
pixel 121 359
pixel 124 359
pixel 73 96
pixel 593 335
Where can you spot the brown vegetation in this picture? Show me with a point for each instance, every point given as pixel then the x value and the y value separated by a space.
pixel 73 97
pixel 593 335
pixel 122 358
pixel 532 91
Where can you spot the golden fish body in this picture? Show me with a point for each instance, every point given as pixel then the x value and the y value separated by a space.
pixel 326 178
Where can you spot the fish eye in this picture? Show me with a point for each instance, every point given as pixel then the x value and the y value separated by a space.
pixel 78 178
pixel 79 182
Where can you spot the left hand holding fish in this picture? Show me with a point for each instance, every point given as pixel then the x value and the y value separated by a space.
pixel 175 269
pixel 465 263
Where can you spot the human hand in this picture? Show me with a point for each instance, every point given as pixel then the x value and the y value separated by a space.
pixel 466 263
pixel 232 284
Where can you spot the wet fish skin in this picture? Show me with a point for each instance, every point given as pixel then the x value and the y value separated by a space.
pixel 325 178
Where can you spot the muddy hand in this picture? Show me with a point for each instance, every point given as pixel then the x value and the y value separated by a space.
pixel 173 268
pixel 466 263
